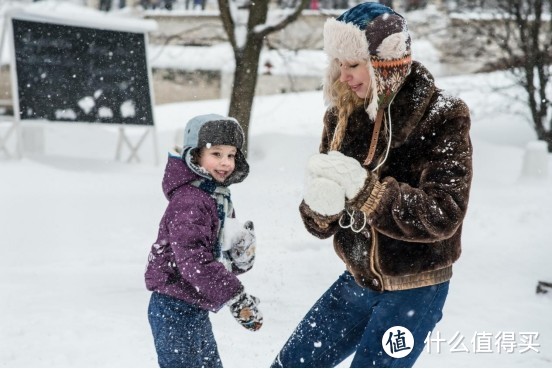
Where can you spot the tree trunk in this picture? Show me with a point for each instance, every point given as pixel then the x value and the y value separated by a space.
pixel 546 137
pixel 247 54
pixel 245 81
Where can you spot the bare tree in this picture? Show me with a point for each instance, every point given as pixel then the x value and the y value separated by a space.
pixel 247 27
pixel 524 34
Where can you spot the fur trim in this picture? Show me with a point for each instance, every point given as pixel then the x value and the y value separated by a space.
pixel 342 41
pixel 337 36
pixel 319 225
pixel 372 108
pixel 332 74
pixel 345 41
pixel 393 46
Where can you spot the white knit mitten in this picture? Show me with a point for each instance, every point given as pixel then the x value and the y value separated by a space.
pixel 324 196
pixel 344 170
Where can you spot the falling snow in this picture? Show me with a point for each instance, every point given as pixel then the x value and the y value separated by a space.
pixel 80 225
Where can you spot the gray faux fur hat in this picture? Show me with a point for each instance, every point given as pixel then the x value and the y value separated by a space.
pixel 376 34
pixel 210 130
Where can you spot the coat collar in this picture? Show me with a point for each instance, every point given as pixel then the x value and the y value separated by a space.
pixel 411 103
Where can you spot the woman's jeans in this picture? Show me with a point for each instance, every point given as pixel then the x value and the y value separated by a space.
pixel 182 333
pixel 350 319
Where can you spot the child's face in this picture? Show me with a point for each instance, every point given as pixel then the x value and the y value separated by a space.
pixel 218 160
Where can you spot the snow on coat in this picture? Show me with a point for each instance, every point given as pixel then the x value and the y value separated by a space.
pixel 415 210
pixel 181 263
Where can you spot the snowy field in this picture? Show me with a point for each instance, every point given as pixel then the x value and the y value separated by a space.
pixel 77 227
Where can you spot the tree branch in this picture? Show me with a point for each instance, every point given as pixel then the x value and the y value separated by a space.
pixel 285 21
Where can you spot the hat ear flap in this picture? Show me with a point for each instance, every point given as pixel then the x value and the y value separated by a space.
pixel 332 74
pixel 372 108
pixel 345 42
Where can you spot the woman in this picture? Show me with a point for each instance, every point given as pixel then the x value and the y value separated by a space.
pixel 391 185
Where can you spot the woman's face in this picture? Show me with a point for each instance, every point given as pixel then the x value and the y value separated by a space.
pixel 218 160
pixel 356 75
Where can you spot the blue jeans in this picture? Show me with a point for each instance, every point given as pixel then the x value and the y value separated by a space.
pixel 350 319
pixel 182 333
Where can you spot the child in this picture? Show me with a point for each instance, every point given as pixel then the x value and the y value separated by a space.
pixel 200 246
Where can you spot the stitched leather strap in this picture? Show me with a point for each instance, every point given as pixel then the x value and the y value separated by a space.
pixel 375 136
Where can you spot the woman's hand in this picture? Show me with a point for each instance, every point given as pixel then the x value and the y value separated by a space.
pixel 343 170
pixel 324 196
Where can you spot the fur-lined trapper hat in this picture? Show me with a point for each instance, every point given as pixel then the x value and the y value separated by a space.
pixel 210 130
pixel 377 34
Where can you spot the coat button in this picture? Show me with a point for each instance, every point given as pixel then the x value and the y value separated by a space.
pixel 375 282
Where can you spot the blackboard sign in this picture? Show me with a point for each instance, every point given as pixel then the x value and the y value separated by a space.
pixel 81 74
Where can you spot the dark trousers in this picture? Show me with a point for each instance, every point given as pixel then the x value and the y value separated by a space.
pixel 349 319
pixel 182 333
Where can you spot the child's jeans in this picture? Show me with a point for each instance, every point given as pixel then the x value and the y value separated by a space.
pixel 182 333
pixel 349 319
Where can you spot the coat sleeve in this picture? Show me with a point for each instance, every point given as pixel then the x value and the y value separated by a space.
pixel 321 226
pixel 433 206
pixel 192 236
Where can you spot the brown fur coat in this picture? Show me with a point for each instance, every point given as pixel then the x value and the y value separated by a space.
pixel 416 202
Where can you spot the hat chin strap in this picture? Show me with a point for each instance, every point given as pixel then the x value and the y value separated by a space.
pixel 375 136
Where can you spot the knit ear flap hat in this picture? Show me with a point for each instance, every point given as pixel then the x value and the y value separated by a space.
pixel 210 130
pixel 376 34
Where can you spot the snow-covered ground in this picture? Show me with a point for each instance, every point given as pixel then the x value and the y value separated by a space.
pixel 76 227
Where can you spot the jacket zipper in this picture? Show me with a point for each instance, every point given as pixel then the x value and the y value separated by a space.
pixel 374 262
pixel 374 254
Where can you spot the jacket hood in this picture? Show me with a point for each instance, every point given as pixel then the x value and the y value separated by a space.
pixel 177 174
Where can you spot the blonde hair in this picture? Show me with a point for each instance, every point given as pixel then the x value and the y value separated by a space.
pixel 347 101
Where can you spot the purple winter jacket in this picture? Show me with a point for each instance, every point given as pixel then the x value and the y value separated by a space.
pixel 181 263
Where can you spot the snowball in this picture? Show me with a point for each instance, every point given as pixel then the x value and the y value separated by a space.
pixel 232 229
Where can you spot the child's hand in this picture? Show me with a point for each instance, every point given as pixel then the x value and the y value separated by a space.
pixel 243 247
pixel 245 310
